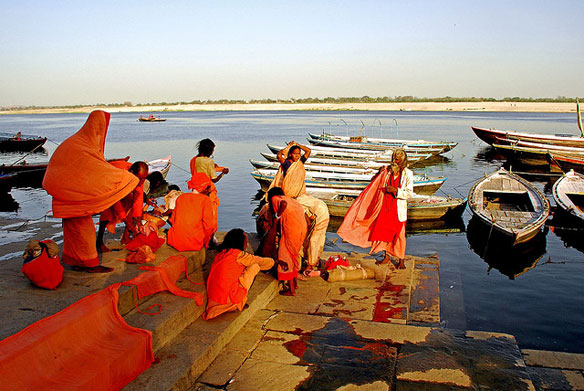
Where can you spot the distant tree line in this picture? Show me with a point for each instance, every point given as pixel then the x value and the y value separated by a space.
pixel 363 99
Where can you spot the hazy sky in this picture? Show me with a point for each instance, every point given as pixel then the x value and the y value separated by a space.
pixel 73 52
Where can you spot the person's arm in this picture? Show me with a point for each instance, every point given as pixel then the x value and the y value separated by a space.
pixel 305 149
pixel 283 154
pixel 407 186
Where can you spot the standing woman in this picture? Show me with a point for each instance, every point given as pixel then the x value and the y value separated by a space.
pixel 205 164
pixel 290 178
pixel 377 218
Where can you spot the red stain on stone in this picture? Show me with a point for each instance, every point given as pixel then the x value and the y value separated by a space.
pixel 342 290
pixel 384 311
pixel 297 347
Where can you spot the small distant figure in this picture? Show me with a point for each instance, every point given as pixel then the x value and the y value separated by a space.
pixel 18 136
pixel 232 274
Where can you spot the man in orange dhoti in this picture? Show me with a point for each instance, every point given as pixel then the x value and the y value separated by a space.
pixel 289 218
pixel 290 178
pixel 232 274
pixel 378 216
pixel 193 222
pixel 83 183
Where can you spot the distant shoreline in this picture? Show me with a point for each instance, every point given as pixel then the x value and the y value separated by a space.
pixel 520 107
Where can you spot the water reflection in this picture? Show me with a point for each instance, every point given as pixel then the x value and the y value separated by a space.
pixel 416 227
pixel 510 260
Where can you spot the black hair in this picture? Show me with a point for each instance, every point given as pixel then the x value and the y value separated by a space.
pixel 137 166
pixel 173 187
pixel 292 149
pixel 274 191
pixel 234 239
pixel 205 147
pixel 155 178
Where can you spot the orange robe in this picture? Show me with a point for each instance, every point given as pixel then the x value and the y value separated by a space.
pixel 193 222
pixel 292 234
pixel 230 278
pixel 213 194
pixel 83 183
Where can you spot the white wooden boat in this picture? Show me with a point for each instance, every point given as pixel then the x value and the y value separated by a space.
pixel 317 167
pixel 509 205
pixel 162 165
pixel 536 156
pixel 359 141
pixel 357 154
pixel 568 192
pixel 420 207
pixel 332 162
pixel 376 147
pixel 422 183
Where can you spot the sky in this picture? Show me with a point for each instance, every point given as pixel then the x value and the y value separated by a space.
pixel 71 52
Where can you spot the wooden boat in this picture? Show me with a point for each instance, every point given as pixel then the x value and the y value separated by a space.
pixel 568 192
pixel 32 174
pixel 565 163
pixel 495 136
pixel 509 205
pixel 364 164
pixel 420 207
pixel 357 154
pixel 151 118
pixel 535 156
pixel 23 143
pixel 376 147
pixel 317 167
pixel 422 183
pixel 359 141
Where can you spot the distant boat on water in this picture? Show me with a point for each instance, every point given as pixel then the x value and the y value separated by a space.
pixel 151 118
pixel 19 142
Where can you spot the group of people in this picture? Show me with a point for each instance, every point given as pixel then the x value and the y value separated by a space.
pixel 292 224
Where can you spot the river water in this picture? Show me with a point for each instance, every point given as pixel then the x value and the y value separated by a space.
pixel 533 292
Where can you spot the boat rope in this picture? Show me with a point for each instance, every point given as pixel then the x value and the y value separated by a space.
pixel 488 238
pixel 179 167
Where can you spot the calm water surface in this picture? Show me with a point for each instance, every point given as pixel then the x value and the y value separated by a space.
pixel 534 292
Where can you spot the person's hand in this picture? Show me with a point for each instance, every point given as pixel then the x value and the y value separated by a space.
pixel 390 189
pixel 283 265
pixel 225 170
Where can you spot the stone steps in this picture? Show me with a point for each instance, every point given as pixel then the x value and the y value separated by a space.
pixel 184 344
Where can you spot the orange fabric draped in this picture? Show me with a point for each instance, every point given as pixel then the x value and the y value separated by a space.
pixel 86 346
pixel 293 182
pixel 163 277
pixel 223 284
pixel 357 224
pixel 79 242
pixel 193 222
pixel 292 234
pixel 78 177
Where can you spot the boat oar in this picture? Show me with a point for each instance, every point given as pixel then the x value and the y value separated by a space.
pixel 34 149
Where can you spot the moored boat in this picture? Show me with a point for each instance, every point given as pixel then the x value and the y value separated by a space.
pixel 535 155
pixel 162 165
pixel 308 166
pixel 432 150
pixel 151 118
pixel 422 183
pixel 565 163
pixel 568 192
pixel 359 141
pixel 509 205
pixel 270 157
pixel 496 136
pixel 20 142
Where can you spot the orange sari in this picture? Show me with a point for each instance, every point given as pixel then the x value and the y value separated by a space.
pixel 83 183
pixel 292 234
pixel 193 222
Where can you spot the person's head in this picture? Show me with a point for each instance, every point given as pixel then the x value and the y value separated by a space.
pixel 206 147
pixel 139 169
pixel 400 158
pixel 236 238
pixel 173 187
pixel 156 179
pixel 294 153
pixel 273 192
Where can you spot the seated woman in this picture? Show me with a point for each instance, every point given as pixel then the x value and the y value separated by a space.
pixel 284 240
pixel 232 274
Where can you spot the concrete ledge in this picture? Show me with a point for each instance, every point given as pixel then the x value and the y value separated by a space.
pixel 185 357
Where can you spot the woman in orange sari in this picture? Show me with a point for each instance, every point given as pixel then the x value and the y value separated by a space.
pixel 232 274
pixel 202 163
pixel 82 183
pixel 290 221
pixel 377 218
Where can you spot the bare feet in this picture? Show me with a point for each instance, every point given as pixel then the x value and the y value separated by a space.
pixel 103 248
pixel 401 264
pixel 288 292
pixel 384 261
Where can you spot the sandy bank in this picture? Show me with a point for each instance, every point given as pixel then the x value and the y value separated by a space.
pixel 528 107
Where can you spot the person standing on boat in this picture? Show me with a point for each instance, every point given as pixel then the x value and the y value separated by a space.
pixel 82 183
pixel 290 178
pixel 377 218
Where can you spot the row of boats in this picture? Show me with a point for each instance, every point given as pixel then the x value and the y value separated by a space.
pixel 341 167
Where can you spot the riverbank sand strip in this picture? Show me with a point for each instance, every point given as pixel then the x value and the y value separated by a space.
pixel 527 107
